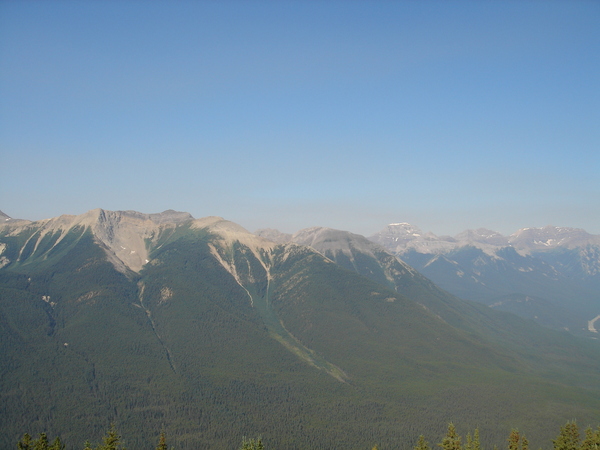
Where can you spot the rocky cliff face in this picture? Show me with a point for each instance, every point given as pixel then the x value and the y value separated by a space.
pixel 124 235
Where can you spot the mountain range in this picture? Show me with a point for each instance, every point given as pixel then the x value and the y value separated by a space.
pixel 550 275
pixel 321 339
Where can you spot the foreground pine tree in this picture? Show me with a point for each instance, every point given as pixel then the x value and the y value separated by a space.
pixel 452 440
pixel 112 440
pixel 422 444
pixel 517 441
pixel 473 441
pixel 25 443
pixel 569 438
pixel 252 444
pixel 41 443
pixel 162 442
pixel 591 440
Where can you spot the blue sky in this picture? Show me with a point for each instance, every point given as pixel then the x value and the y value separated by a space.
pixel 352 115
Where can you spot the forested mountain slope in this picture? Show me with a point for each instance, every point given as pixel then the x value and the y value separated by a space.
pixel 550 275
pixel 522 337
pixel 162 321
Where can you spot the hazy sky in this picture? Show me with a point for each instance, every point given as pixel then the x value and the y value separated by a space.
pixel 352 115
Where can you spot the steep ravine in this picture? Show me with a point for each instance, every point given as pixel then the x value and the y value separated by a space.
pixel 141 288
pixel 258 296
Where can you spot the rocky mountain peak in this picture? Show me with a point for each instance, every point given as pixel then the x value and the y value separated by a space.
pixel 170 216
pixel 324 239
pixel 550 237
pixel 231 232
pixel 403 229
pixel 5 219
pixel 483 236
pixel 123 234
pixel 397 237
pixel 274 235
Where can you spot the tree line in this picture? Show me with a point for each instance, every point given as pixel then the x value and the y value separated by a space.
pixel 569 438
pixel 112 441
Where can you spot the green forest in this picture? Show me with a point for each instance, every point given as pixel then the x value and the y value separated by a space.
pixel 569 438
pixel 214 340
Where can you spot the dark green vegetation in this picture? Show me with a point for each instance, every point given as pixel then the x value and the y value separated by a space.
pixel 221 336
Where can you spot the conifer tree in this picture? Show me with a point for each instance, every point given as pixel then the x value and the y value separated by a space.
pixel 252 444
pixel 513 440
pixel 112 440
pixel 41 443
pixel 162 442
pixel 25 443
pixel 473 441
pixel 569 438
pixel 524 443
pixel 476 445
pixel 452 440
pixel 517 441
pixel 422 444
pixel 57 444
pixel 591 440
pixel 469 443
